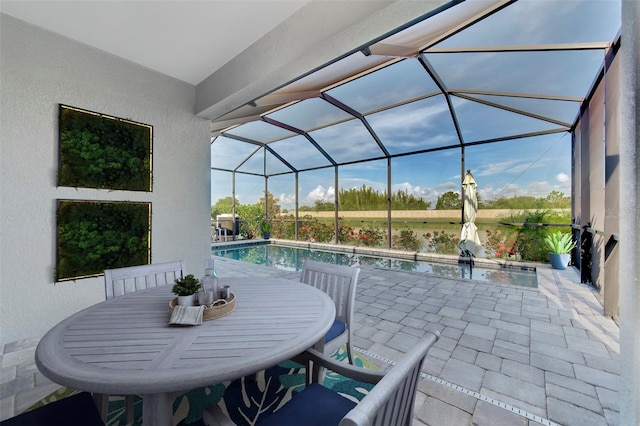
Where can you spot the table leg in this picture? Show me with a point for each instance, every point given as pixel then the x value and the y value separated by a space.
pixel 102 402
pixel 157 410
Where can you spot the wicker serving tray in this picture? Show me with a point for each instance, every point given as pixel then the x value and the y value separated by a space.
pixel 218 309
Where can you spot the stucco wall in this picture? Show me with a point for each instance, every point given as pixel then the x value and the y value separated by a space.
pixel 38 71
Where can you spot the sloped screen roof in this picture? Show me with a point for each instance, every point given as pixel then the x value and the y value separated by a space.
pixel 474 73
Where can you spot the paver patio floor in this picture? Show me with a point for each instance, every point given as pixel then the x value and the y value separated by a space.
pixel 507 355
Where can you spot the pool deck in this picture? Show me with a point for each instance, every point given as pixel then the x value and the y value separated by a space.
pixel 507 355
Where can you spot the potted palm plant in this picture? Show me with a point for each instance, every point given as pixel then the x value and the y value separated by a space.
pixel 186 288
pixel 265 228
pixel 560 245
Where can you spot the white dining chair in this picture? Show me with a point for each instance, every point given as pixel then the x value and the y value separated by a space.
pixel 118 282
pixel 339 282
pixel 391 402
pixel 121 281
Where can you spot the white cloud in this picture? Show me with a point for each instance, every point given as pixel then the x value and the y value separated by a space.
pixel 426 194
pixel 287 200
pixel 357 183
pixel 503 167
pixel 537 189
pixel 448 186
pixel 563 177
pixel 319 193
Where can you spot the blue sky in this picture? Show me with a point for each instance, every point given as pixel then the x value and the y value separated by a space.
pixel 532 166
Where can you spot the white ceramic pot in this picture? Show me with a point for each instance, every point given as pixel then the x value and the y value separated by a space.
pixel 187 300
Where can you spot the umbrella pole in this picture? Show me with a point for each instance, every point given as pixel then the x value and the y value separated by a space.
pixel 469 254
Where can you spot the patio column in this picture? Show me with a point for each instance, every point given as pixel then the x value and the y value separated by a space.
pixel 629 223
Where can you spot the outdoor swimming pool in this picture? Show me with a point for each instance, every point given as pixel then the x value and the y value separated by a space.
pixel 292 259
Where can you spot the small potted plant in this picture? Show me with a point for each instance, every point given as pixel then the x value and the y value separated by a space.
pixel 560 245
pixel 186 288
pixel 265 228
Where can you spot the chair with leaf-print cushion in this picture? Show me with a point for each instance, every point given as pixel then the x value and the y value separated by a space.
pixel 390 403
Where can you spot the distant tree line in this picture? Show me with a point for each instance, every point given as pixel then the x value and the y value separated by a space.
pixel 554 200
pixel 367 198
pixel 247 211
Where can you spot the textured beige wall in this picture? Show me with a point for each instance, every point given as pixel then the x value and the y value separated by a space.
pixel 38 71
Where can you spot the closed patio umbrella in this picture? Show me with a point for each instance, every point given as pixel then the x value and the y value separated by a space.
pixel 469 239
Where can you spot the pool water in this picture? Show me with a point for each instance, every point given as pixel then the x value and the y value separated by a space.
pixel 292 259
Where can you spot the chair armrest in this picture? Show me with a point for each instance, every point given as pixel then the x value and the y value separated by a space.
pixel 347 370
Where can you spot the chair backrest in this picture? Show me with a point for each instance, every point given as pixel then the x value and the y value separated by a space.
pixel 118 282
pixel 338 281
pixel 391 401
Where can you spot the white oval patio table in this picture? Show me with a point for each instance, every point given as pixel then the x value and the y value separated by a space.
pixel 125 345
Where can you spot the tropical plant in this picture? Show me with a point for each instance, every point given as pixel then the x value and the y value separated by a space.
pixel 560 242
pixel 265 226
pixel 186 286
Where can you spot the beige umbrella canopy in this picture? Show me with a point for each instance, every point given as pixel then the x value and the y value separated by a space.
pixel 469 239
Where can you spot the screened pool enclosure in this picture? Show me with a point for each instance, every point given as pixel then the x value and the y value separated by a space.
pixel 495 87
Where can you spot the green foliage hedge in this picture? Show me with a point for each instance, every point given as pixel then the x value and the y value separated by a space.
pixel 94 236
pixel 97 151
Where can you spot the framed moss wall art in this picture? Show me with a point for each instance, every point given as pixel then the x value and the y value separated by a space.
pixel 100 151
pixel 96 235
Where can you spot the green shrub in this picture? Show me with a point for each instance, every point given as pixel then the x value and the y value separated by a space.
pixel 407 240
pixel 370 236
pixel 501 245
pixel 442 242
pixel 530 240
pixel 311 229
